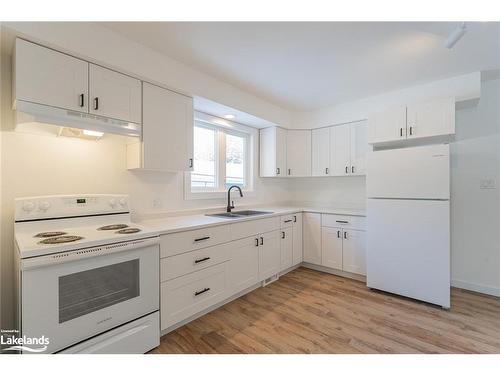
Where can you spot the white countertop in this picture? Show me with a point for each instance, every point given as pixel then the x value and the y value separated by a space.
pixel 172 224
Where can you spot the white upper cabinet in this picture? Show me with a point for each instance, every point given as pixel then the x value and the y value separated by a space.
pixel 298 153
pixel 432 118
pixel 359 147
pixel 386 126
pixel 320 152
pixel 340 150
pixel 167 132
pixel 114 95
pixel 45 76
pixel 273 152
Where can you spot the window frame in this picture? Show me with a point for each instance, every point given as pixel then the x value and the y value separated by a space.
pixel 250 157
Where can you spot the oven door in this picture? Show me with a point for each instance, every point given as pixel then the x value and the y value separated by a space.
pixel 72 296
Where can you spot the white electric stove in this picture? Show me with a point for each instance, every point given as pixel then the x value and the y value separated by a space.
pixel 88 277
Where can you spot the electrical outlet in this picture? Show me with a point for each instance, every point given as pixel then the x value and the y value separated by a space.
pixel 488 183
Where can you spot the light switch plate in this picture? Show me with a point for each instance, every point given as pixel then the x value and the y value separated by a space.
pixel 488 183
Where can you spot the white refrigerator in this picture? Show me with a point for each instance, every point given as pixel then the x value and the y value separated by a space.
pixel 408 213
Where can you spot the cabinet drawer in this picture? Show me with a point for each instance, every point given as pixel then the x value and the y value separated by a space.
pixel 253 227
pixel 182 242
pixel 182 264
pixel 286 221
pixel 190 294
pixel 344 221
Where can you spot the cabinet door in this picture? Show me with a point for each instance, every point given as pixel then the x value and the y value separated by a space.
pixel 286 246
pixel 432 118
pixel 320 152
pixel 272 152
pixel 297 238
pixel 269 254
pixel 340 150
pixel 298 153
pixel 311 223
pixel 359 148
pixel 331 247
pixel 387 126
pixel 166 129
pixel 354 251
pixel 48 77
pixel 114 95
pixel 243 268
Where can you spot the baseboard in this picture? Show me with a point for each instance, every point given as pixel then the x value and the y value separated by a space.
pixel 349 275
pixel 480 288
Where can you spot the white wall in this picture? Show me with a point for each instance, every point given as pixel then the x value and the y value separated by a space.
pixel 475 212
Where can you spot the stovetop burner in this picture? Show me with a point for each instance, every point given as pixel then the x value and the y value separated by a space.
pixel 113 227
pixel 128 231
pixel 59 239
pixel 50 234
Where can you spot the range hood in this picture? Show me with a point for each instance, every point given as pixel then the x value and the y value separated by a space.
pixel 31 114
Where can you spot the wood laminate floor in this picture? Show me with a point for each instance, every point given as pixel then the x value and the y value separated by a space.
pixel 307 311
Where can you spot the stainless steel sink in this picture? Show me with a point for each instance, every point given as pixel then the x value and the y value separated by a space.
pixel 238 214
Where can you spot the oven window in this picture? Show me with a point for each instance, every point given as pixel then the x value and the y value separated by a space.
pixel 84 292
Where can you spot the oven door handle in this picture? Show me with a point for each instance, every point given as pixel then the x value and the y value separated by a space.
pixel 85 253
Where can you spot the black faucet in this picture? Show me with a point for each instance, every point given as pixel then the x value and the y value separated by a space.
pixel 230 205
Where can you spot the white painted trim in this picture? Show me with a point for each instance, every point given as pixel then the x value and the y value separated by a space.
pixel 475 287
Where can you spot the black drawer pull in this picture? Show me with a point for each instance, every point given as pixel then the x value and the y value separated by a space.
pixel 288 221
pixel 342 221
pixel 201 239
pixel 202 260
pixel 201 291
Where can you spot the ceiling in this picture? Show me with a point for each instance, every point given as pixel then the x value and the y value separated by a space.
pixel 303 66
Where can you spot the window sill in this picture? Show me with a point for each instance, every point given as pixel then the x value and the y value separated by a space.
pixel 190 195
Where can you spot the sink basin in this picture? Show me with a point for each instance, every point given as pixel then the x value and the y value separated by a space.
pixel 238 214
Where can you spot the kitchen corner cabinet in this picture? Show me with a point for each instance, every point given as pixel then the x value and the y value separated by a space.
pixel 311 229
pixel 297 241
pixel 167 132
pixel 291 240
pixel 298 153
pixel 432 118
pixel 340 150
pixel 45 76
pixel 273 152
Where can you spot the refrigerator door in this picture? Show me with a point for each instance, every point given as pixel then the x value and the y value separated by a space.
pixel 412 173
pixel 408 248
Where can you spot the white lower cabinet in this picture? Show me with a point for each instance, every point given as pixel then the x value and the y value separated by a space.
pixel 243 268
pixel 331 247
pixel 354 251
pixel 187 295
pixel 269 254
pixel 286 247
pixel 297 239
pixel 311 231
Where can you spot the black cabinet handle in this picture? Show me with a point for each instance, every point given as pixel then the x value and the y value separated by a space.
pixel 282 235
pixel 201 239
pixel 342 221
pixel 201 260
pixel 345 235
pixel 262 240
pixel 352 169
pixel 96 103
pixel 288 221
pixel 201 291
pixel 294 218
pixel 338 234
pixel 256 242
pixel 326 170
pixel 411 130
pixel 82 100
pixel 277 171
pixel 346 169
pixel 191 163
pixel 289 171
pixel 400 132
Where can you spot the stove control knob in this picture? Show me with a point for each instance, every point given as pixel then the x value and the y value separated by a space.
pixel 44 206
pixel 28 206
pixel 123 202
pixel 112 202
